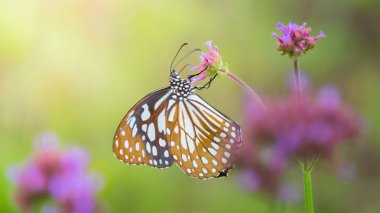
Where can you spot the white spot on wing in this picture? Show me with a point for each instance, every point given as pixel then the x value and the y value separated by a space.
pixel 132 122
pixel 166 153
pixel 183 139
pixel 190 143
pixel 204 160
pixel 171 115
pixel 148 148
pixel 212 151
pixel 137 146
pixel 154 150
pixel 195 164
pixel 158 103
pixel 233 134
pixel 216 139
pixel 227 154
pixel 145 114
pixel 224 160
pixel 151 132
pixel 184 158
pixel 134 131
pixel 216 146
pixel 143 127
pixel 161 121
pixel 162 142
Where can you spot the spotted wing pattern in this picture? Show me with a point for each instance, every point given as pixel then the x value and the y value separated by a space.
pixel 141 135
pixel 202 141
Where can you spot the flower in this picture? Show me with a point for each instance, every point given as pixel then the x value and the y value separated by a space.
pixel 261 169
pixel 61 176
pixel 289 129
pixel 304 129
pixel 295 40
pixel 210 63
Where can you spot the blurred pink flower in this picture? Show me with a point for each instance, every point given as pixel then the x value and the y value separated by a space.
pixel 56 174
pixel 295 40
pixel 307 128
pixel 288 130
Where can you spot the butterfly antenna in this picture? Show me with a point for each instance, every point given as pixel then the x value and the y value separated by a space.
pixel 184 68
pixel 171 65
pixel 184 57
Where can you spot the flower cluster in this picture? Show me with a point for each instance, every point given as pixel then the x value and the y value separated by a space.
pixel 295 40
pixel 305 128
pixel 210 63
pixel 290 129
pixel 56 178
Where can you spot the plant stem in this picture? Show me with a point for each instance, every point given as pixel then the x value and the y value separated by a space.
pixel 297 78
pixel 308 190
pixel 307 166
pixel 246 88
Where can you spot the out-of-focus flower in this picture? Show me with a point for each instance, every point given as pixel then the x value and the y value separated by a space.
pixel 288 130
pixel 295 40
pixel 307 128
pixel 210 63
pixel 261 169
pixel 58 176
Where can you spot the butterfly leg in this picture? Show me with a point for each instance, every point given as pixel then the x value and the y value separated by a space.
pixel 208 84
pixel 191 76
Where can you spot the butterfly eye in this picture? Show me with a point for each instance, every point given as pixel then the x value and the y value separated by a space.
pixel 174 74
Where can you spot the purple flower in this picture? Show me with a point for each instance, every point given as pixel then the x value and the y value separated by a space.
pixel 295 40
pixel 210 63
pixel 260 170
pixel 288 130
pixel 61 175
pixel 307 128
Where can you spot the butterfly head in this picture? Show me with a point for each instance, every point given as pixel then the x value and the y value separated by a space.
pixel 181 87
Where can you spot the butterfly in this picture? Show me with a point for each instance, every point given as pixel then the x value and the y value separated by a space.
pixel 175 125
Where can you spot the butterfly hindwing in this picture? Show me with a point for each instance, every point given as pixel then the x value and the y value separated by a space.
pixel 141 135
pixel 202 140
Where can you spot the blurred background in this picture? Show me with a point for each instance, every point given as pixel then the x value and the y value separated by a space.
pixel 75 67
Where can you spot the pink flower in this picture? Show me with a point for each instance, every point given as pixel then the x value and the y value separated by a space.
pixel 316 126
pixel 210 63
pixel 288 130
pixel 295 40
pixel 52 173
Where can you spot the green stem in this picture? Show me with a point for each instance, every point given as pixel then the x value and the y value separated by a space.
pixel 307 165
pixel 308 190
pixel 297 78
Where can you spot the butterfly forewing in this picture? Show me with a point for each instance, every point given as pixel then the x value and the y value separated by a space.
pixel 202 140
pixel 141 135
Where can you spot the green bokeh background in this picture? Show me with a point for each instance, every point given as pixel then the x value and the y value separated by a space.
pixel 75 67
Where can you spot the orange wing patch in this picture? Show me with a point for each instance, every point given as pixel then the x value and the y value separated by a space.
pixel 202 140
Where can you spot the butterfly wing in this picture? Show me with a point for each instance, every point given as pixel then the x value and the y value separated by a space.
pixel 202 140
pixel 141 135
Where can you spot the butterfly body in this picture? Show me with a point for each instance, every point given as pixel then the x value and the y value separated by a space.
pixel 174 125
